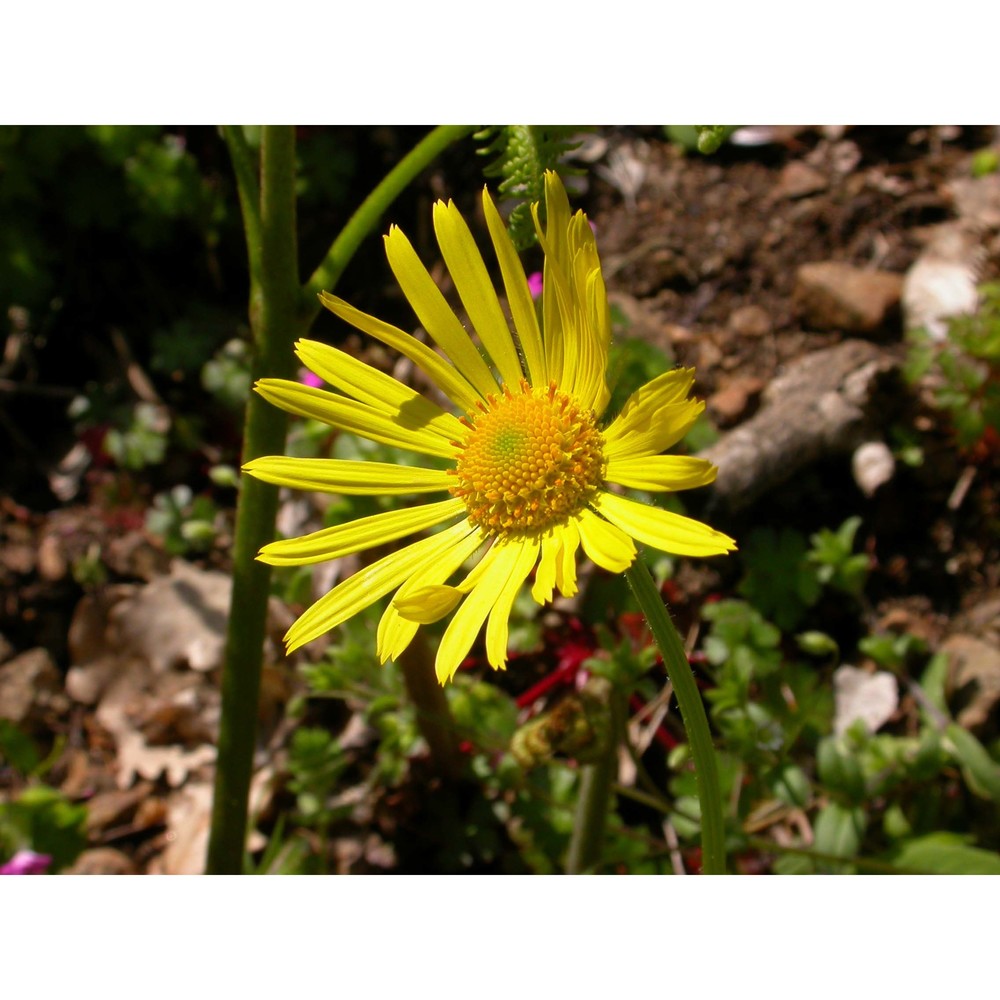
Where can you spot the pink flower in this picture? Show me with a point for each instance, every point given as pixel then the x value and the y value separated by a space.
pixel 535 284
pixel 26 863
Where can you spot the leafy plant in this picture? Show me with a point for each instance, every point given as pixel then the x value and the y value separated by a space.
pixel 835 563
pixel 521 155
pixel 778 579
pixel 186 523
pixel 963 371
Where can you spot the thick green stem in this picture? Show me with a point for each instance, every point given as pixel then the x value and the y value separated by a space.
pixel 364 220
pixel 596 782
pixel 434 717
pixel 275 323
pixel 713 846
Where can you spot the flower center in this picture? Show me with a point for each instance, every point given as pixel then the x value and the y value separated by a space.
pixel 532 459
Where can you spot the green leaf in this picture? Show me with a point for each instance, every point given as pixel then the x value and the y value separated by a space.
pixel 838 830
pixel 817 644
pixel 946 854
pixel 980 770
pixel 839 769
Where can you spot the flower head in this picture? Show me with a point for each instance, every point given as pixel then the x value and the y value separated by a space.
pixel 530 456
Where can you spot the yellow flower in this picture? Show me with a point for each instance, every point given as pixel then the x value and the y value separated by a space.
pixel 530 460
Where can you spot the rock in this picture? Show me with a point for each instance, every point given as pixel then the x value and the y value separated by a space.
pixel 113 808
pixel 872 466
pixel 942 281
pixel 973 678
pixel 798 179
pixel 730 402
pixel 835 296
pixel 857 694
pixel 30 685
pixel 102 861
pixel 750 321
pixel 51 559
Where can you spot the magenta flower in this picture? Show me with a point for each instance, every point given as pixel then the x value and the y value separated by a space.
pixel 26 863
pixel 535 284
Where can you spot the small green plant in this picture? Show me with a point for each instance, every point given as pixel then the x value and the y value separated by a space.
pixel 834 561
pixel 963 371
pixel 143 441
pixel 778 580
pixel 37 817
pixel 186 523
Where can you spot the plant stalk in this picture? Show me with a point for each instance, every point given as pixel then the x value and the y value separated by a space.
pixel 274 299
pixel 434 717
pixel 713 846
pixel 596 784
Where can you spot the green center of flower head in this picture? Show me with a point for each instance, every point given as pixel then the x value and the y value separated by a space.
pixel 532 459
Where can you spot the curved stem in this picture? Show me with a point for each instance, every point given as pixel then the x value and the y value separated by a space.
pixel 361 223
pixel 713 847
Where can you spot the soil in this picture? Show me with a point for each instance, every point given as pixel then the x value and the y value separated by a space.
pixel 703 260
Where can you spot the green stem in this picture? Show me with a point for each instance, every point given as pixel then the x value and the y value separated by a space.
pixel 596 782
pixel 245 169
pixel 275 324
pixel 364 220
pixel 713 848
pixel 434 717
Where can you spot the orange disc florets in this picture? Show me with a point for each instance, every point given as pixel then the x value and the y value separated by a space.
pixel 532 458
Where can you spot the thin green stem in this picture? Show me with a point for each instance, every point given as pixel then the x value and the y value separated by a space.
pixel 364 220
pixel 596 783
pixel 275 324
pixel 713 847
pixel 245 169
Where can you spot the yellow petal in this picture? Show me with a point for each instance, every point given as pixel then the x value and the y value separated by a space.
pixel 466 267
pixel 660 472
pixel 569 542
pixel 435 314
pixel 662 429
pixel 605 544
pixel 468 620
pixel 358 418
pixel 643 406
pixel 522 308
pixel 498 626
pixel 557 566
pixel 429 604
pixel 662 529
pixel 369 584
pixel 396 632
pixel 378 390
pixel 356 536
pixel 332 475
pixel 450 381
pixel 545 575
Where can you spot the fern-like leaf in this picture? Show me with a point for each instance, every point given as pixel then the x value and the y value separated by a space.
pixel 522 154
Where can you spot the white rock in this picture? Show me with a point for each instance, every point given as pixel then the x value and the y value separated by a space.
pixel 858 694
pixel 872 465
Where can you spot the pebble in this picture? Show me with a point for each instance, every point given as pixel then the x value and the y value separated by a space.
pixel 835 296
